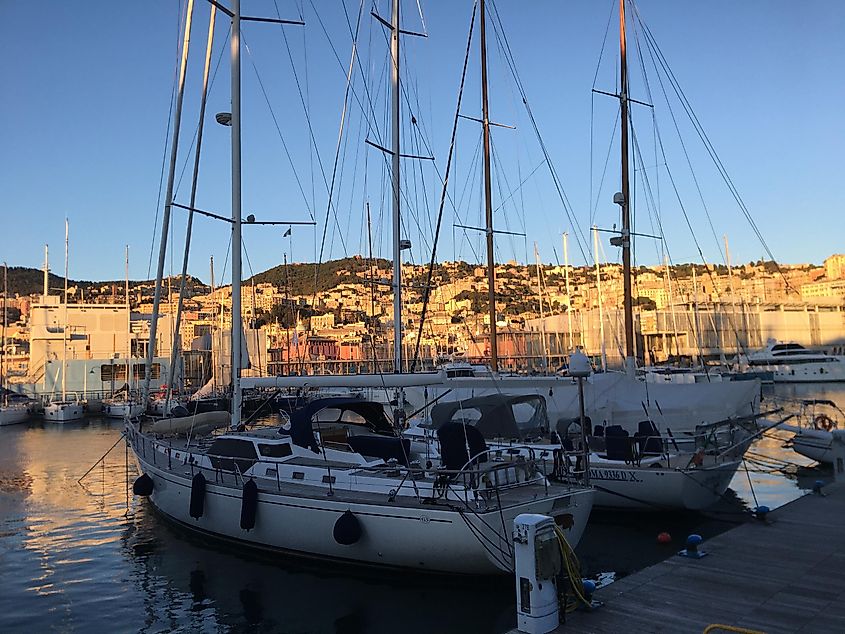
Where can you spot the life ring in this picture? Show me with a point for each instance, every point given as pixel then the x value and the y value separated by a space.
pixel 823 422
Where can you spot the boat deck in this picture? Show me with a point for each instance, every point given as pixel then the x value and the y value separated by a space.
pixel 785 575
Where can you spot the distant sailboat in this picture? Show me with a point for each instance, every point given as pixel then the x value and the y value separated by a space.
pixel 64 410
pixel 125 406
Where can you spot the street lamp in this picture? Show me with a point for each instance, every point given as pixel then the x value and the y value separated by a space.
pixel 580 368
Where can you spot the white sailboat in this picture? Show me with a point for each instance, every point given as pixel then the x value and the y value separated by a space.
pixel 631 463
pixel 124 405
pixel 296 492
pixel 65 410
pixel 11 412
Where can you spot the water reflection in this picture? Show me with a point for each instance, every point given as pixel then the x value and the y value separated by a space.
pixel 186 577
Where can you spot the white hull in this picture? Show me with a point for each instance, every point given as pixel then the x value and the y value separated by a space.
pixel 791 362
pixel 815 444
pixel 611 398
pixel 13 414
pixel 122 410
pixel 807 372
pixel 645 488
pixel 63 412
pixel 429 538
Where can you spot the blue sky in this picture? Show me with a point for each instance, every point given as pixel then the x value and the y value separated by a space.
pixel 87 89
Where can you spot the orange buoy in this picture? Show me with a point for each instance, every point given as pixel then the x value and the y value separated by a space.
pixel 664 538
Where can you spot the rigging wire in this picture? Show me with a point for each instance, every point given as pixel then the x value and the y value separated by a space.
pixel 711 150
pixel 445 185
pixel 498 29
pixel 180 18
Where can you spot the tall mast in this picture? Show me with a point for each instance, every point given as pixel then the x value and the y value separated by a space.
pixel 630 364
pixel 168 200
pixel 129 368
pixel 733 296
pixel 488 200
pixel 672 306
pixel 46 271
pixel 568 296
pixel 397 229
pixel 3 357
pixel 542 316
pixel 64 326
pixel 175 348
pixel 236 213
pixel 600 298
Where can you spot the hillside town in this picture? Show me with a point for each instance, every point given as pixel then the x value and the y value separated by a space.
pixel 683 313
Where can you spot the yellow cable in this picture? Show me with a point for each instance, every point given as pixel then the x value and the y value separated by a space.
pixel 573 567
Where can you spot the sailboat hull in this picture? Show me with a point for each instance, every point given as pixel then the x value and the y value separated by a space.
pixel 653 489
pixel 63 412
pixel 424 538
pixel 814 444
pixel 123 410
pixel 13 414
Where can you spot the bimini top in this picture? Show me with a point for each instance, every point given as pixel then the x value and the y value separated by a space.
pixel 347 411
pixel 496 415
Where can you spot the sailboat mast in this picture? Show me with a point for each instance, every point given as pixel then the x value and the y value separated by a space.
pixel 64 327
pixel 488 200
pixel 129 368
pixel 236 213
pixel 600 298
pixel 168 200
pixel 733 296
pixel 175 348
pixel 3 357
pixel 630 365
pixel 46 270
pixel 568 296
pixel 397 229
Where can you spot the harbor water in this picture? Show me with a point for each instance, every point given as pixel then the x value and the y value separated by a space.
pixel 88 556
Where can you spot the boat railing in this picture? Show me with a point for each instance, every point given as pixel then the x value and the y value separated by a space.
pixel 472 485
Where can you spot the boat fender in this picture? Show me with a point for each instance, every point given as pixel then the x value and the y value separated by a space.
pixel 823 422
pixel 143 485
pixel 249 505
pixel 197 496
pixel 347 529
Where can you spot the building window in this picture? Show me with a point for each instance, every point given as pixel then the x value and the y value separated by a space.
pixel 117 372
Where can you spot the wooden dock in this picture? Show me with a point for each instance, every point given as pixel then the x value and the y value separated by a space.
pixel 784 575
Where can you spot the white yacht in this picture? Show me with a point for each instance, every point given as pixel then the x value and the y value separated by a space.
pixel 791 362
pixel 63 410
pixel 337 484
pixel 13 413
pixel 644 470
pixel 122 407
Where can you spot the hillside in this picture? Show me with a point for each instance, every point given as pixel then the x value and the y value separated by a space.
pixel 28 281
pixel 300 277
